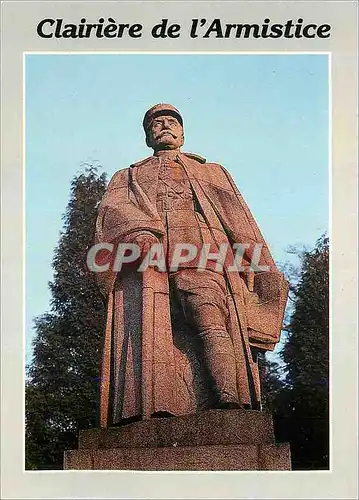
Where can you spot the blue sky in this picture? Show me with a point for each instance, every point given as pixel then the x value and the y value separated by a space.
pixel 264 117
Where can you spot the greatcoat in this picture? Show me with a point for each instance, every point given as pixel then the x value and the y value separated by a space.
pixel 144 368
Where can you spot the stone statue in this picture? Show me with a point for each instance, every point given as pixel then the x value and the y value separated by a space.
pixel 183 331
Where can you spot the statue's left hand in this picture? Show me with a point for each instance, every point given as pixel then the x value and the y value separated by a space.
pixel 145 242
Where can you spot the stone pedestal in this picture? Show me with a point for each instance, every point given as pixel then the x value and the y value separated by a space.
pixel 209 440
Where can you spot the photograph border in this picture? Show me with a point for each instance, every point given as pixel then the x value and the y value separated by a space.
pixel 16 485
pixel 180 53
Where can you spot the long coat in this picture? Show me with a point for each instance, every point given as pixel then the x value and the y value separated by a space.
pixel 146 367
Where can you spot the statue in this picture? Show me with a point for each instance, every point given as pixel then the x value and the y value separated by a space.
pixel 188 312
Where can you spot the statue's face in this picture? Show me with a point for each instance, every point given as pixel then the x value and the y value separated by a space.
pixel 165 132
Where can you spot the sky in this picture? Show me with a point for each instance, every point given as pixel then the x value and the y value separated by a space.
pixel 264 117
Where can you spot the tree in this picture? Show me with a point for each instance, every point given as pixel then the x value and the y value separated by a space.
pixel 272 383
pixel 301 406
pixel 63 378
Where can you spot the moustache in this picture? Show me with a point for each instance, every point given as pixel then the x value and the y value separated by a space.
pixel 166 132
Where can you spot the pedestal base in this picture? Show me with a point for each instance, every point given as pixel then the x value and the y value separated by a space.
pixel 210 440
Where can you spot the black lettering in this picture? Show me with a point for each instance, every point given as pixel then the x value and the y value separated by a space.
pixel 110 29
pixel 306 30
pixel 173 31
pixel 288 26
pixel 40 26
pixel 265 28
pixel 89 28
pixel 69 31
pixel 228 30
pixel 135 31
pixel 99 28
pixel 159 30
pixel 81 28
pixel 323 28
pixel 276 31
pixel 193 28
pixel 58 28
pixel 216 27
pixel 247 30
pixel 121 29
pixel 298 28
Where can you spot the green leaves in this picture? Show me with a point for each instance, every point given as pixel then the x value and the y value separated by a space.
pixel 61 392
pixel 300 400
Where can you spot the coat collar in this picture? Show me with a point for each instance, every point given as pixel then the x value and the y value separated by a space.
pixel 186 157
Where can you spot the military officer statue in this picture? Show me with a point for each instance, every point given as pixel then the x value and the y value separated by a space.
pixel 184 336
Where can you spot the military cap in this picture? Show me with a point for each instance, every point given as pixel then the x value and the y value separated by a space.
pixel 161 109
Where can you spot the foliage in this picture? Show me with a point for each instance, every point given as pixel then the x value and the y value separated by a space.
pixel 306 355
pixel 62 386
pixel 301 400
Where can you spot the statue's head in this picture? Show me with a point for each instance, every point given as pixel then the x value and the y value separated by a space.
pixel 163 126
